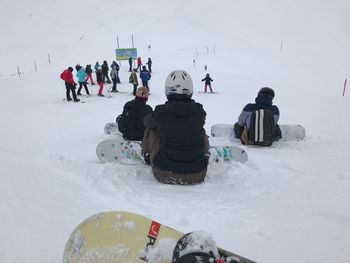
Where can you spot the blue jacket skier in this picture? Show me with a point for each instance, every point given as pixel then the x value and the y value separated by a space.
pixel 145 76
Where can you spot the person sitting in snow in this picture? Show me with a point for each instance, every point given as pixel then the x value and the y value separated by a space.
pixel 130 122
pixel 257 123
pixel 175 142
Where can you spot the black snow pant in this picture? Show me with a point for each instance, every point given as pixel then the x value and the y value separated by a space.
pixel 81 84
pixel 135 88
pixel 114 87
pixel 70 88
pixel 145 84
pixel 105 76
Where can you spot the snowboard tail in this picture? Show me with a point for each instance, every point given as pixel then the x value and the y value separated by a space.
pixel 124 237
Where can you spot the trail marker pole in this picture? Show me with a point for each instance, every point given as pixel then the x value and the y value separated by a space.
pixel 118 48
pixel 345 82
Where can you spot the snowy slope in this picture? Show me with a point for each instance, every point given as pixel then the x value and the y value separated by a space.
pixel 289 203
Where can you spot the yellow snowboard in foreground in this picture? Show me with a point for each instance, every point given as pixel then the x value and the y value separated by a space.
pixel 124 237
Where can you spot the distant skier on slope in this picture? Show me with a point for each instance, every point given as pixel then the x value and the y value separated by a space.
pixel 145 76
pixel 257 123
pixel 81 75
pixel 175 142
pixel 105 69
pixel 99 79
pixel 139 63
pixel 134 81
pixel 130 122
pixel 88 72
pixel 70 84
pixel 207 82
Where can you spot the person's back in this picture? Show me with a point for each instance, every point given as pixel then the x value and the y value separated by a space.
pixel 180 124
pixel 88 69
pixel 178 127
pixel 81 75
pixel 130 122
pixel 105 67
pixel 145 74
pixel 97 66
pixel 257 118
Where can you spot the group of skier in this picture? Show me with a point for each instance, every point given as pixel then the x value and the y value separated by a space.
pixel 103 76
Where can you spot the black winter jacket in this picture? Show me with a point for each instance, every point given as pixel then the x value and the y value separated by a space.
pixel 181 129
pixel 105 68
pixel 141 109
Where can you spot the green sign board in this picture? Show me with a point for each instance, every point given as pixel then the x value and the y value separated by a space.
pixel 126 53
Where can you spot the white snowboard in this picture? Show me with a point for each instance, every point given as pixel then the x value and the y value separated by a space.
pixel 290 132
pixel 121 151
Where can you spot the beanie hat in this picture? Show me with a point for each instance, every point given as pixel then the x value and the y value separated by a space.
pixel 142 92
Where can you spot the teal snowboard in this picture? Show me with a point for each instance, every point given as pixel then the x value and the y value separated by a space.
pixel 124 237
pixel 128 152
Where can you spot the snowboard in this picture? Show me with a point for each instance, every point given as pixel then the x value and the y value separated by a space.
pixel 124 237
pixel 129 152
pixel 290 132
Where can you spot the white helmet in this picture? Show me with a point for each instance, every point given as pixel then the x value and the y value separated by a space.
pixel 179 82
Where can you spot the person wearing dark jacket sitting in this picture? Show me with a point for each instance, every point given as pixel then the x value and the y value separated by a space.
pixel 130 122
pixel 175 142
pixel 262 101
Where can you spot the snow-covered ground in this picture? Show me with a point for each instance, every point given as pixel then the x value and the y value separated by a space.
pixel 289 203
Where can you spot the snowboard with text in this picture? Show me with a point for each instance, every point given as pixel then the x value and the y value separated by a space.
pixel 124 237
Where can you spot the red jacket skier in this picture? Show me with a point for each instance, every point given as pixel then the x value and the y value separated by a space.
pixel 139 63
pixel 67 76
